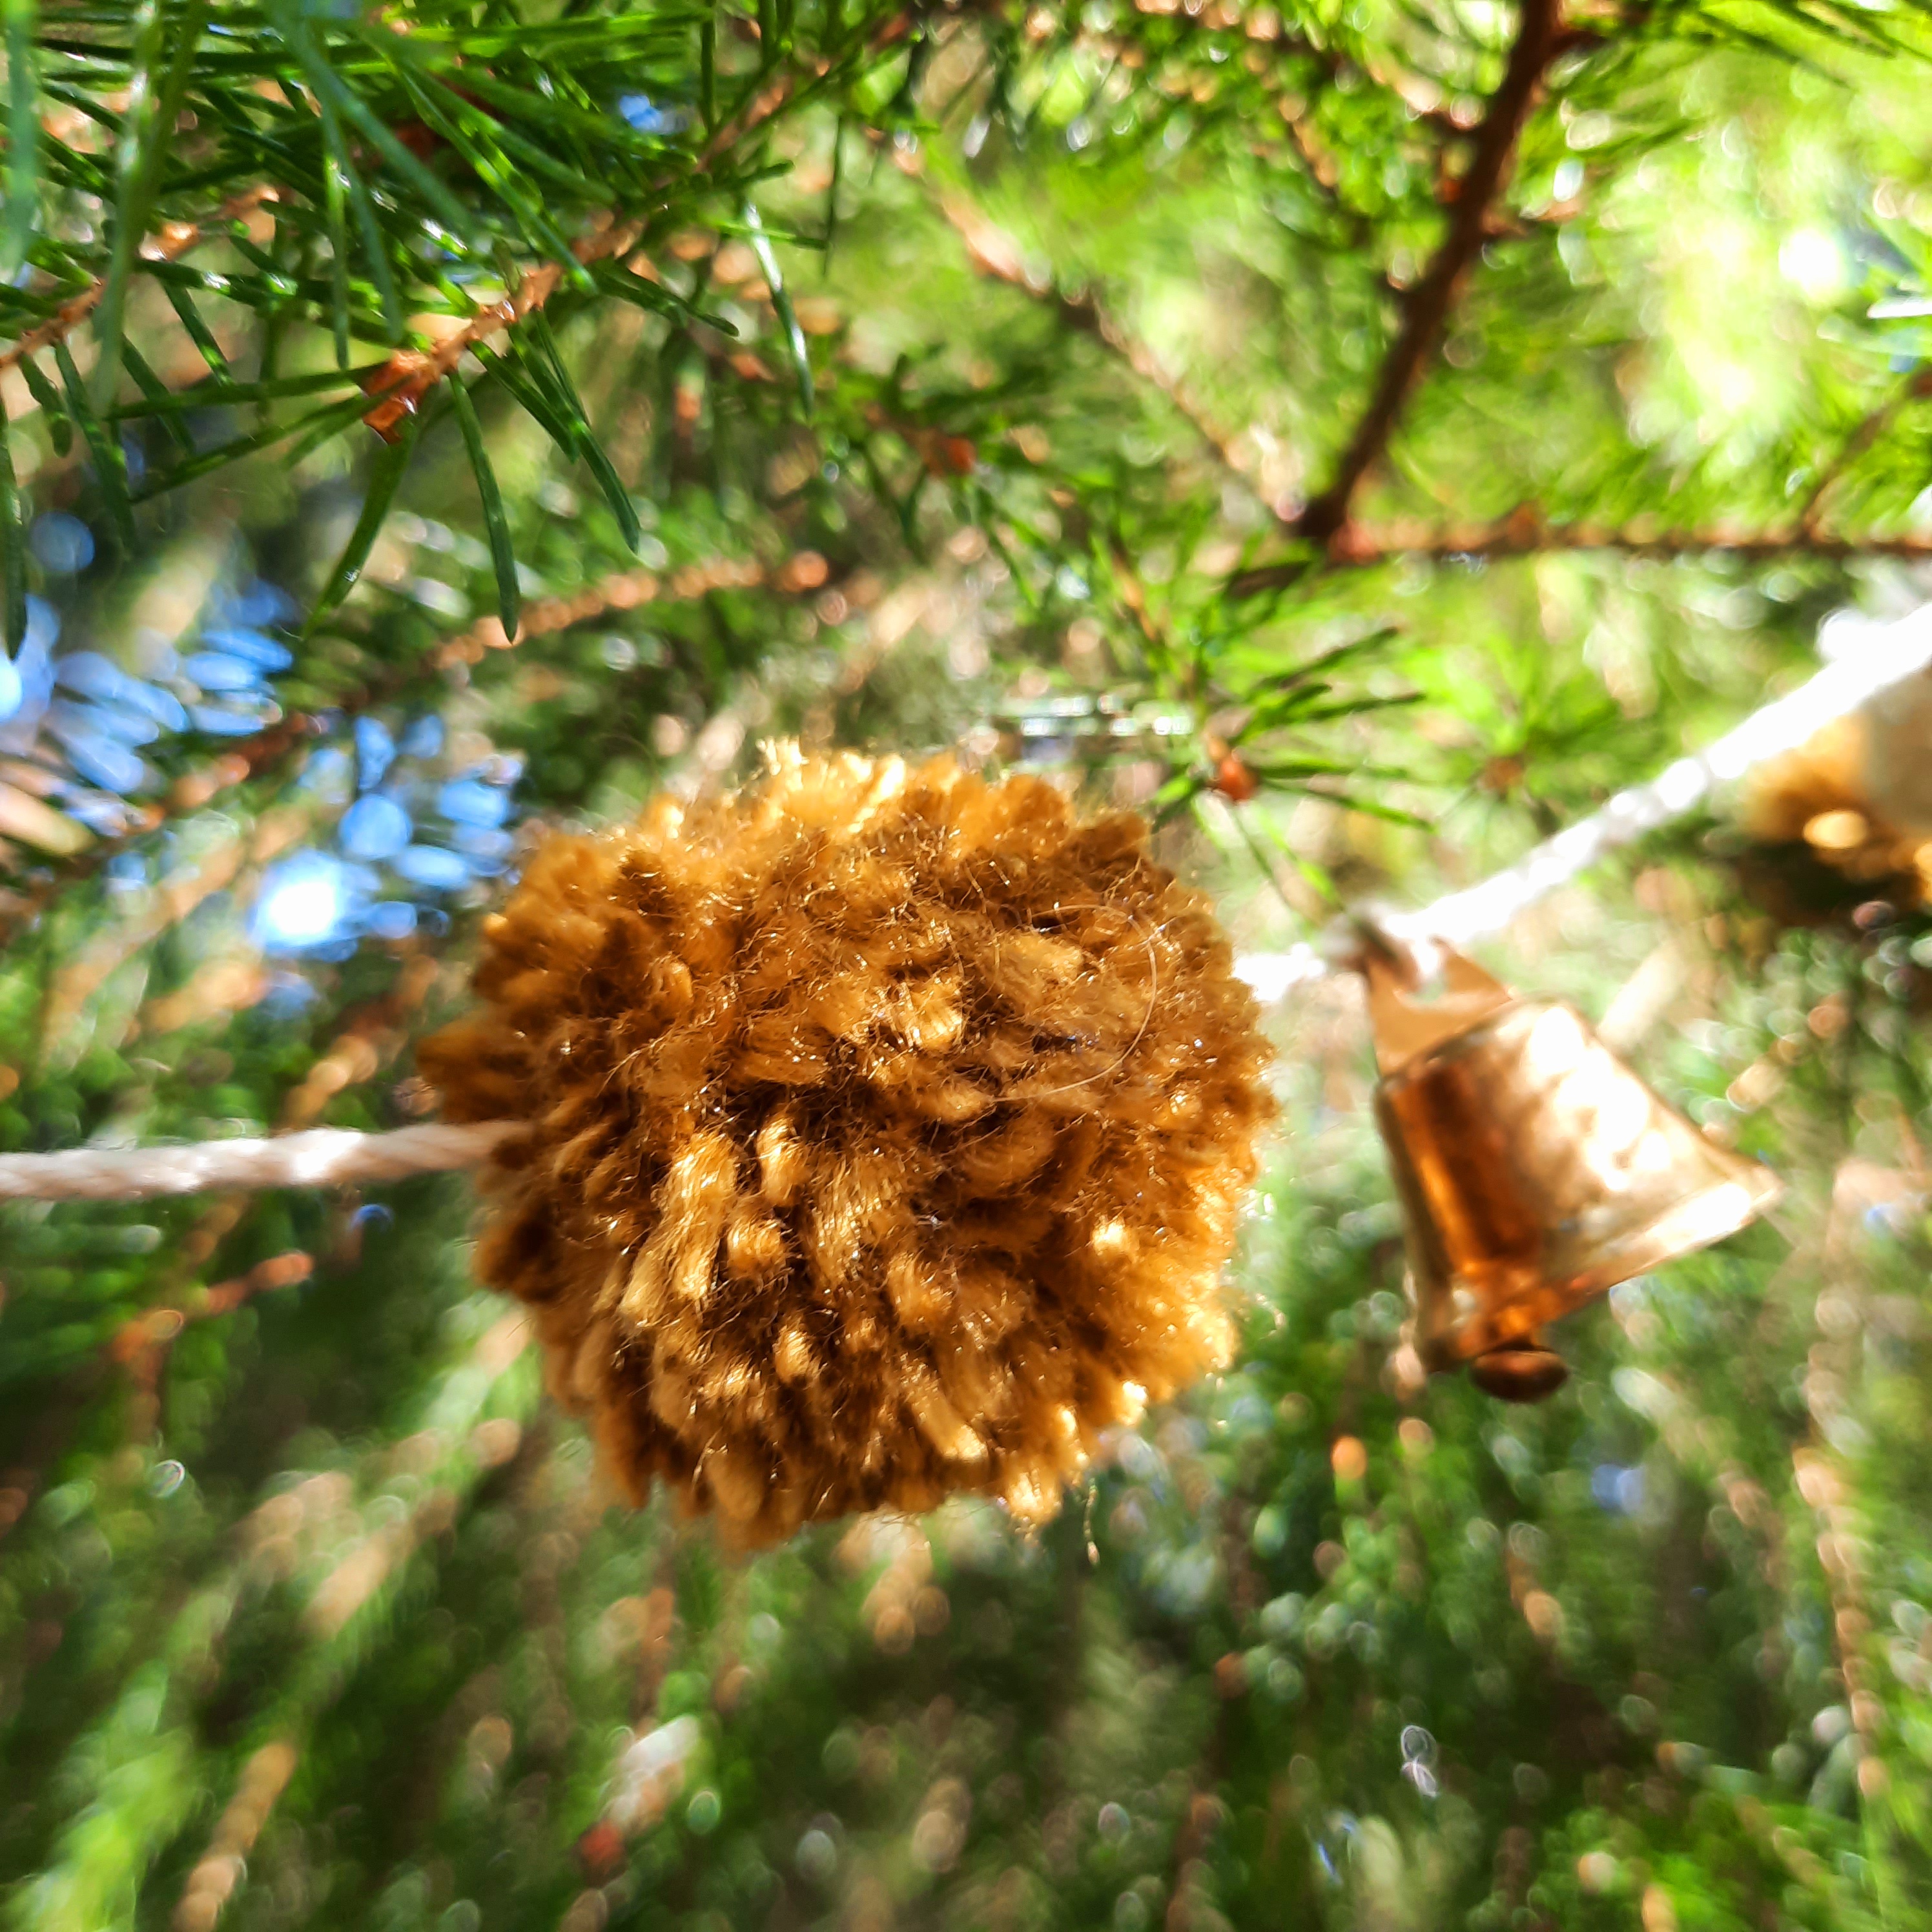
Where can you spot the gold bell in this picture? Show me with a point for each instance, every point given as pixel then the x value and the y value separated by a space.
pixel 1535 1169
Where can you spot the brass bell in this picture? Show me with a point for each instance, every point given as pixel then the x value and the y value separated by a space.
pixel 1535 1169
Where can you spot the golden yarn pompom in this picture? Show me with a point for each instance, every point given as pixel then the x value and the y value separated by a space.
pixel 886 1133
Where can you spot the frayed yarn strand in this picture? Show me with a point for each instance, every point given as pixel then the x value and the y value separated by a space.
pixel 324 1157
pixel 885 1131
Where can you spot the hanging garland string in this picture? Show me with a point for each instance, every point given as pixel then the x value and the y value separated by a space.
pixel 320 1157
pixel 1880 657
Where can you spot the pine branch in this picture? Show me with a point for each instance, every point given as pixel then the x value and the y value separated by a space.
pixel 1428 300
pixel 1524 534
pixel 142 1345
pixel 174 899
pixel 1316 159
pixel 173 241
pixel 363 77
pixel 266 753
pixel 405 381
pixel 242 761
pixel 212 1878
pixel 153 1790
pixel 995 253
pixel 369 1039
pixel 402 383
pixel 1914 389
pixel 786 89
pixel 77 1389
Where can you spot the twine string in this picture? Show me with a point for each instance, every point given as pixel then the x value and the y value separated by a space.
pixel 321 1157
pixel 326 1157
pixel 1884 655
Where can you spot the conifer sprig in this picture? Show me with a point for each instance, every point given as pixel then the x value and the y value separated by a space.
pixel 1111 292
pixel 373 180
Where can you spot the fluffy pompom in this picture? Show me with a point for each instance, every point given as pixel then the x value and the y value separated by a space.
pixel 1827 837
pixel 886 1134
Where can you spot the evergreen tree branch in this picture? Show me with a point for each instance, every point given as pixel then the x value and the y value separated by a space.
pixel 1914 389
pixel 267 752
pixel 367 1042
pixel 402 383
pixel 142 1344
pixel 175 898
pixel 242 761
pixel 1524 534
pixel 156 1792
pixel 369 1039
pixel 786 88
pixel 995 253
pixel 400 388
pixel 83 1383
pixel 318 1158
pixel 1318 162
pixel 214 1876
pixel 1428 301
pixel 170 243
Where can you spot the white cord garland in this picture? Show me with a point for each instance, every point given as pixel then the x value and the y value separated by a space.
pixel 322 1157
pixel 1877 658
pixel 330 1157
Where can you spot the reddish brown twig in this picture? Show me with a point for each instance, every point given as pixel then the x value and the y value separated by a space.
pixel 170 244
pixel 1428 301
pixel 400 386
pixel 216 1873
pixel 1915 389
pixel 995 252
pixel 624 590
pixel 141 1345
pixel 83 976
pixel 398 389
pixel 1523 534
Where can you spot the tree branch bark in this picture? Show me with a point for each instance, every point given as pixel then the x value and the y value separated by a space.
pixel 1431 297
pixel 1524 534
pixel 995 252
pixel 1915 389
pixel 170 243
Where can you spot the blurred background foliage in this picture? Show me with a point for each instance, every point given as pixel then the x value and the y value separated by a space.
pixel 1366 437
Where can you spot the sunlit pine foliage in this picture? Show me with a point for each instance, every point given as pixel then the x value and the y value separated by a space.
pixel 1363 437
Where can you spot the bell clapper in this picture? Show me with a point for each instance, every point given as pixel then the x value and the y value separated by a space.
pixel 1523 1370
